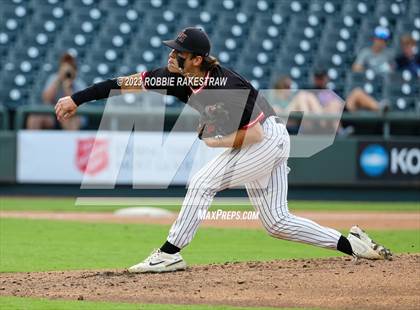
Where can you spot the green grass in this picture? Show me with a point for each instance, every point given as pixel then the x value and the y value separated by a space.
pixel 68 204
pixel 45 304
pixel 40 245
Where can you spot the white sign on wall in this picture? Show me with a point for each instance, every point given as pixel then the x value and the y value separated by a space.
pixel 109 158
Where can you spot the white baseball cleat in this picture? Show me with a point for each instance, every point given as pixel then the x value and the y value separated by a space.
pixel 159 261
pixel 364 247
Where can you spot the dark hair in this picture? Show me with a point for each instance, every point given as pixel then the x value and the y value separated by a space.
pixel 208 63
pixel 283 83
pixel 319 72
pixel 69 59
pixel 407 40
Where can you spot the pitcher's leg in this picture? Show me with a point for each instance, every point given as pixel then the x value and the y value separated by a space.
pixel 232 168
pixel 201 191
pixel 271 203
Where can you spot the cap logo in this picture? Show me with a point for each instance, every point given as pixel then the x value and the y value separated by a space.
pixel 181 37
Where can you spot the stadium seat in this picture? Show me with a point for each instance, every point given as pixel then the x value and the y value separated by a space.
pixel 368 81
pixel 19 11
pixel 15 88
pixel 167 17
pixel 225 57
pixel 189 6
pixel 240 18
pixel 203 19
pixel 331 45
pixel 68 44
pixel 402 90
pixel 291 7
pixel 58 14
pixel 410 26
pixel 11 26
pixel 131 17
pixel 81 4
pixel 222 6
pixel 260 6
pixel 265 45
pixel 357 8
pixel 277 19
pixel 228 43
pixel 146 57
pixel 87 21
pixel 272 32
pixel 346 21
pixel 239 32
pixel 150 5
pixel 296 39
pixel 324 8
pixel 306 20
pixel 115 5
pixel 414 9
pixel 330 38
pixel 390 9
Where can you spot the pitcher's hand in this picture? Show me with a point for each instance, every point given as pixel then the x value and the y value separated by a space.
pixel 65 108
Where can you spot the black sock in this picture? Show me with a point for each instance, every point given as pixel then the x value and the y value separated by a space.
pixel 169 248
pixel 344 246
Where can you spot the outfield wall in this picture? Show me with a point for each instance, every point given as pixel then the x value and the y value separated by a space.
pixel 7 156
pixel 58 157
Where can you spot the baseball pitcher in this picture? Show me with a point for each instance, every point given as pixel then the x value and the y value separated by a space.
pixel 234 116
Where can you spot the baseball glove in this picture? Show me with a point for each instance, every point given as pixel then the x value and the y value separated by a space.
pixel 214 121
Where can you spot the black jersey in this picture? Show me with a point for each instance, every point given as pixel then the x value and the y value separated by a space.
pixel 221 85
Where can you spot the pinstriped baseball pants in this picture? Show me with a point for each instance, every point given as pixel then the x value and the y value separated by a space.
pixel 262 168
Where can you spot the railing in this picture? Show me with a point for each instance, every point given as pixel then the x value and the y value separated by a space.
pixel 148 116
pixel 4 118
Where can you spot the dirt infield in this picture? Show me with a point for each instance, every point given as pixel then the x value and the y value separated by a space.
pixel 336 283
pixel 339 220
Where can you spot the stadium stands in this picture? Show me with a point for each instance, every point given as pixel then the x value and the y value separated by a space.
pixel 261 39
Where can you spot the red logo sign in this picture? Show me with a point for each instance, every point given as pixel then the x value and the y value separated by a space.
pixel 92 155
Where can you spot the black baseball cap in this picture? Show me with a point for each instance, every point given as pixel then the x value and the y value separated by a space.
pixel 191 39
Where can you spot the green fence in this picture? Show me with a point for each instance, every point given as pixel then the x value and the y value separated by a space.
pixel 4 118
pixel 361 162
pixel 351 162
pixel 8 156
pixel 338 165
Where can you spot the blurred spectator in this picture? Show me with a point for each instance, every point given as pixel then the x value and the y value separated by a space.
pixel 60 84
pixel 409 59
pixel 358 99
pixel 328 101
pixel 284 99
pixel 315 102
pixel 282 94
pixel 377 57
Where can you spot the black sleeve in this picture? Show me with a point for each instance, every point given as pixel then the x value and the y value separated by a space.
pixel 96 91
pixel 164 82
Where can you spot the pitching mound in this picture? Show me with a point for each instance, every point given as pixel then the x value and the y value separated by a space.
pixel 325 283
